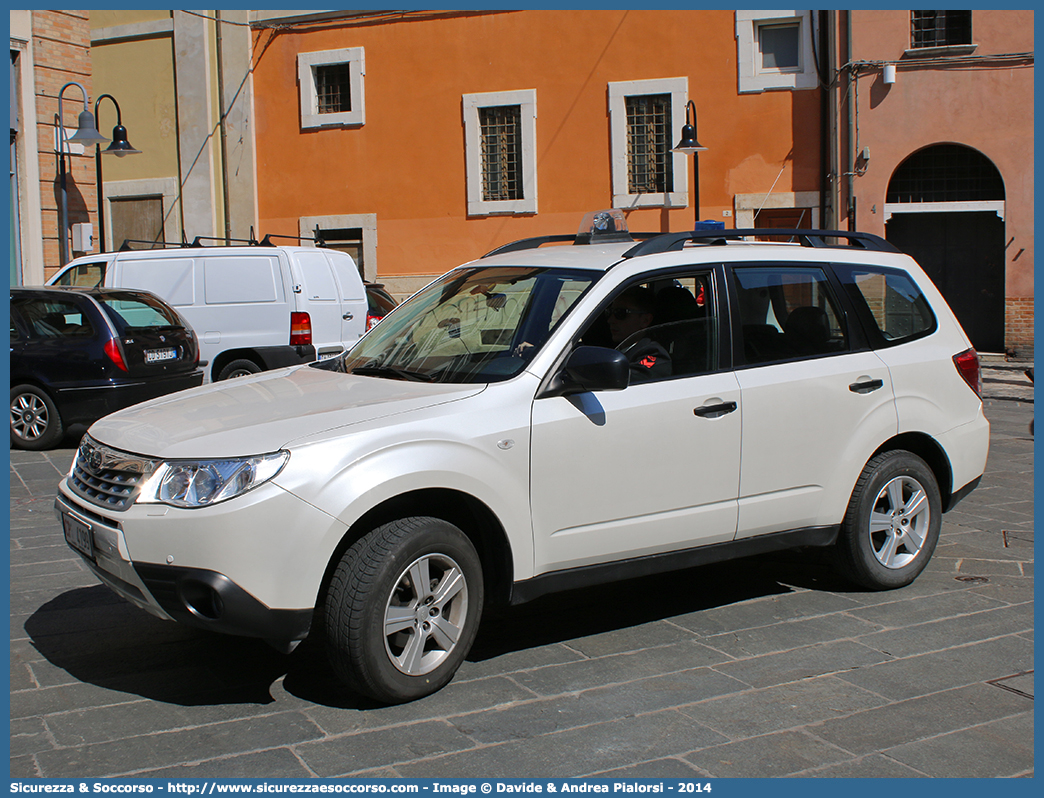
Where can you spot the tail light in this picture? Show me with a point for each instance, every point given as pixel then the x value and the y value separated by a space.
pixel 967 363
pixel 372 320
pixel 112 351
pixel 300 329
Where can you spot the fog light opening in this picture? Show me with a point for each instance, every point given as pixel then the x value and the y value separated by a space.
pixel 201 600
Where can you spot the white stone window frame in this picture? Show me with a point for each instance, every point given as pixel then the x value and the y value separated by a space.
pixel 367 222
pixel 525 99
pixel 355 58
pixel 678 89
pixel 752 77
pixel 166 188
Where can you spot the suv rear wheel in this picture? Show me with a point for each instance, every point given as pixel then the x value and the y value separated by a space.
pixel 892 523
pixel 403 609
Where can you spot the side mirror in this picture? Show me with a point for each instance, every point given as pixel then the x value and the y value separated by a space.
pixel 591 368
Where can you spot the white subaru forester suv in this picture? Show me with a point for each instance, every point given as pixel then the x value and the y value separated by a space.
pixel 547 417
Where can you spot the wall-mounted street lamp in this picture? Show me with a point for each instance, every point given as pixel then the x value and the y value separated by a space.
pixel 119 147
pixel 690 146
pixel 86 134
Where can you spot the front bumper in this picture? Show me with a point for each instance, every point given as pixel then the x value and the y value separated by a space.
pixel 249 568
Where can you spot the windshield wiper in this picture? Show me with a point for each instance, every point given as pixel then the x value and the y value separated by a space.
pixel 388 371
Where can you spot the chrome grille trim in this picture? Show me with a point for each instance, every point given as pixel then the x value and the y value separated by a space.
pixel 108 477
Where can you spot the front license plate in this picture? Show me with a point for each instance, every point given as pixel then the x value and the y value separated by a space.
pixel 159 355
pixel 78 535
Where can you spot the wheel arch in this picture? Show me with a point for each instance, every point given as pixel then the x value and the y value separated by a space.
pixel 226 357
pixel 929 450
pixel 472 516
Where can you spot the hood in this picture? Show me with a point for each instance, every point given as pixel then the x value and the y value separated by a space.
pixel 263 413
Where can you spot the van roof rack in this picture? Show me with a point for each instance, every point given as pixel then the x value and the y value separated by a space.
pixel 197 242
pixel 672 242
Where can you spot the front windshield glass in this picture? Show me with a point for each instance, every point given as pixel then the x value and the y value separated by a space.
pixel 472 325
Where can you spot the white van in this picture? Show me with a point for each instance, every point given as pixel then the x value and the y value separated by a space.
pixel 254 308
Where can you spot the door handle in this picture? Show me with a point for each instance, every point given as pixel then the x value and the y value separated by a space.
pixel 866 386
pixel 348 316
pixel 716 410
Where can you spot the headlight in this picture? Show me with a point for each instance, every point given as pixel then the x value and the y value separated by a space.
pixel 201 483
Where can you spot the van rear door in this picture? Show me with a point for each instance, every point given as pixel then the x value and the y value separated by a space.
pixel 318 297
pixel 352 294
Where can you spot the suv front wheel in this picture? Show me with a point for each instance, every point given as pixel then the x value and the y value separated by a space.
pixel 892 523
pixel 403 609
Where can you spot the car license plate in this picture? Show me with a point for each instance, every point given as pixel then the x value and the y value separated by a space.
pixel 78 535
pixel 159 355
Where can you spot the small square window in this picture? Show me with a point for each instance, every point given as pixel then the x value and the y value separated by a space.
pixel 774 50
pixel 940 28
pixel 779 47
pixel 331 88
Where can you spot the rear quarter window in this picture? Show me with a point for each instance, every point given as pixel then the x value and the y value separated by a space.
pixel 890 303
pixel 89 275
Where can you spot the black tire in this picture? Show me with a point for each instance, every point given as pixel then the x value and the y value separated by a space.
pixel 373 588
pixel 239 368
pixel 35 422
pixel 892 523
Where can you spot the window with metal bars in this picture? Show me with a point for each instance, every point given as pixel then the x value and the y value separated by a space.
pixel 501 137
pixel 649 165
pixel 940 28
pixel 946 173
pixel 333 88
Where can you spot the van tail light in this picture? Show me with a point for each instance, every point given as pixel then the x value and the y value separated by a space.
pixel 967 363
pixel 372 320
pixel 300 329
pixel 112 351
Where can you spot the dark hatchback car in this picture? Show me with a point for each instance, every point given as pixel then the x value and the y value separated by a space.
pixel 379 303
pixel 78 354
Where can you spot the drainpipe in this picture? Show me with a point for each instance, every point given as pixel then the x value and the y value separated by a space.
pixel 850 209
pixel 221 127
pixel 826 110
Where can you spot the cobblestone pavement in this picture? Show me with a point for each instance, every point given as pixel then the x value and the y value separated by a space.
pixel 765 667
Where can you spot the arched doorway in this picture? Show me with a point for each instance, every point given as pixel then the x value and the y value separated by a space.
pixel 945 207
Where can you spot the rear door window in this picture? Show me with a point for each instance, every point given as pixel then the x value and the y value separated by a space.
pixel 890 303
pixel 786 313
pixel 54 318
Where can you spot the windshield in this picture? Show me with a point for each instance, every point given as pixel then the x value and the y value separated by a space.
pixel 472 325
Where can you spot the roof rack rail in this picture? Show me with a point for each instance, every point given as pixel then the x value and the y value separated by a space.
pixel 669 242
pixel 126 245
pixel 580 239
pixel 529 243
pixel 317 239
pixel 196 242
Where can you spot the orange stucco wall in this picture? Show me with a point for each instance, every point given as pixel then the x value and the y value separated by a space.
pixel 406 164
pixel 988 108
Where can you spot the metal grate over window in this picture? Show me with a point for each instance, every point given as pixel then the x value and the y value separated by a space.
pixel 946 173
pixel 649 169
pixel 501 135
pixel 333 88
pixel 939 28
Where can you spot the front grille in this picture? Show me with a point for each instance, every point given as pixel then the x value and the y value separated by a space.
pixel 107 477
